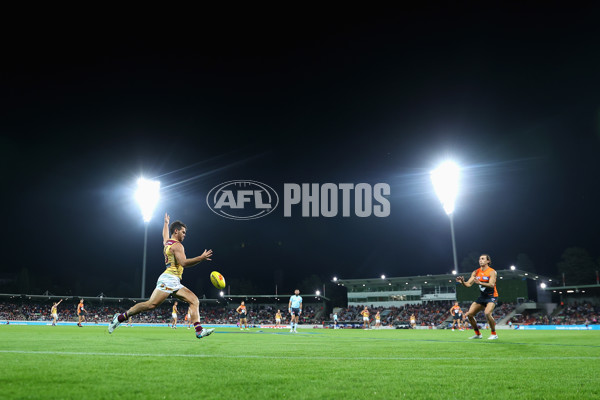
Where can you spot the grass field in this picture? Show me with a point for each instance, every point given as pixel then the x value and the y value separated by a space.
pixel 38 362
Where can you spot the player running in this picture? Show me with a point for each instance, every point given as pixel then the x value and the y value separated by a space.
pixel 243 313
pixel 456 313
pixel 54 312
pixel 485 277
pixel 278 320
pixel 80 313
pixel 295 309
pixel 174 316
pixel 365 314
pixel 170 281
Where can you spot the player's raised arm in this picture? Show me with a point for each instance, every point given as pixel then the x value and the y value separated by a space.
pixel 185 262
pixel 165 231
pixel 469 283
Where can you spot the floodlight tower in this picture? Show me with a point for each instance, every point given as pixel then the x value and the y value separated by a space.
pixel 445 182
pixel 147 198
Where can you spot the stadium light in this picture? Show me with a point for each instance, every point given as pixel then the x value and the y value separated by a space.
pixel 543 285
pixel 512 267
pixel 221 294
pixel 445 183
pixel 454 272
pixel 147 197
pixel 318 292
pixel 382 276
pixel 335 278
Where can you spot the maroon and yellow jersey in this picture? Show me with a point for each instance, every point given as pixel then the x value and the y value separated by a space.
pixel 484 276
pixel 173 267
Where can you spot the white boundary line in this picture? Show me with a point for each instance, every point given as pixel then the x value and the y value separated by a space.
pixel 77 353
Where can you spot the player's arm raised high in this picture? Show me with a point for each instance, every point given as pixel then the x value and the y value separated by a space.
pixel 165 231
pixel 185 262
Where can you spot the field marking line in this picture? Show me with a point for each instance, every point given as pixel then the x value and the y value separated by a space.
pixel 78 353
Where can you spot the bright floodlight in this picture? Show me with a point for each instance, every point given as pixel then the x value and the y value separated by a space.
pixel 318 292
pixel 382 276
pixel 543 285
pixel 512 268
pixel 453 272
pixel 221 294
pixel 147 197
pixel 335 278
pixel 445 183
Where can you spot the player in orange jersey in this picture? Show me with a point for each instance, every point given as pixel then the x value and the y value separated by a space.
pixel 80 313
pixel 169 282
pixel 485 277
pixel 187 320
pixel 456 314
pixel 243 313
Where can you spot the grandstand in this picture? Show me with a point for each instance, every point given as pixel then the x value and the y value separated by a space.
pixel 514 285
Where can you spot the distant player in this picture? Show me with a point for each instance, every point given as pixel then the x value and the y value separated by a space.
pixel 456 313
pixel 485 277
pixel 170 281
pixel 278 320
pixel 54 312
pixel 377 320
pixel 174 316
pixel 295 309
pixel 243 314
pixel 365 314
pixel 413 321
pixel 335 321
pixel 80 313
pixel 187 320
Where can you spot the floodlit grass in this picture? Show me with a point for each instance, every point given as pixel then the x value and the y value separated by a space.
pixel 160 363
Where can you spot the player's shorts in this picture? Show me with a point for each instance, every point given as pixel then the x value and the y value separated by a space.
pixel 366 319
pixel 168 283
pixel 456 317
pixel 55 316
pixel 484 300
pixel 377 321
pixel 278 320
pixel 243 316
pixel 295 312
pixel 174 316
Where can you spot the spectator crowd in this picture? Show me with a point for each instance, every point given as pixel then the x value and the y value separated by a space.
pixel 427 314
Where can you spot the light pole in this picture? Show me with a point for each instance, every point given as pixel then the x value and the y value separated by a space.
pixel 445 182
pixel 147 197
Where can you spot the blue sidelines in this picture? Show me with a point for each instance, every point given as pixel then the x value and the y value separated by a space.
pixel 269 333
pixel 557 327
pixel 68 323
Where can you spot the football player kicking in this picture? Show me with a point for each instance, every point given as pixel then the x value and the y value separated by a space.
pixel 170 281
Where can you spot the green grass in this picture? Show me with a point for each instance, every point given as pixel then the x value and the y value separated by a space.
pixel 39 362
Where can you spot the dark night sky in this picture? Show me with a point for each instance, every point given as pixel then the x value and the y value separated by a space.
pixel 512 94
